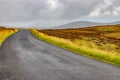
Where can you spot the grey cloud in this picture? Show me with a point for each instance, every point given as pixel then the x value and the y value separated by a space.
pixel 30 10
pixel 108 8
pixel 18 10
pixel 77 8
pixel 39 9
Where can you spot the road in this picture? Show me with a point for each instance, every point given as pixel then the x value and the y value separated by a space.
pixel 23 57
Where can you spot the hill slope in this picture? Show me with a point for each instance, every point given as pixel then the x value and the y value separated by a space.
pixel 79 24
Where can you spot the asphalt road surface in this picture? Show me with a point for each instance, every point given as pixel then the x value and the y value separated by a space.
pixel 23 57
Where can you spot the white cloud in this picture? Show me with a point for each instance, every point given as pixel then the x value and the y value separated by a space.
pixel 106 9
pixel 116 11
pixel 53 4
pixel 101 9
pixel 54 10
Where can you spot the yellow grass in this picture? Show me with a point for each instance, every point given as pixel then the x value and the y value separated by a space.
pixel 115 35
pixel 108 28
pixel 5 33
pixel 83 47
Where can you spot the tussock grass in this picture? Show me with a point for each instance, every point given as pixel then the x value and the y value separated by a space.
pixel 83 47
pixel 5 33
pixel 108 28
pixel 114 35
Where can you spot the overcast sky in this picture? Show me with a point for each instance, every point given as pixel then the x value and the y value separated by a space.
pixel 55 12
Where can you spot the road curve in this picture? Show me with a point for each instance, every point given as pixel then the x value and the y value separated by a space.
pixel 23 57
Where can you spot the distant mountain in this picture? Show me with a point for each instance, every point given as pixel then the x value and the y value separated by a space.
pixel 117 22
pixel 79 24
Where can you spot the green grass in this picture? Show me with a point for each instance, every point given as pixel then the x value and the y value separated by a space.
pixel 82 47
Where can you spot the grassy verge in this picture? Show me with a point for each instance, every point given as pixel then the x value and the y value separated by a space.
pixel 5 33
pixel 82 47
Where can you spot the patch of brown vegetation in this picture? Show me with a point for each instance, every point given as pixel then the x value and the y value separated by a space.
pixel 100 35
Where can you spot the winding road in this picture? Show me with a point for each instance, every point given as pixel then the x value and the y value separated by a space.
pixel 23 57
